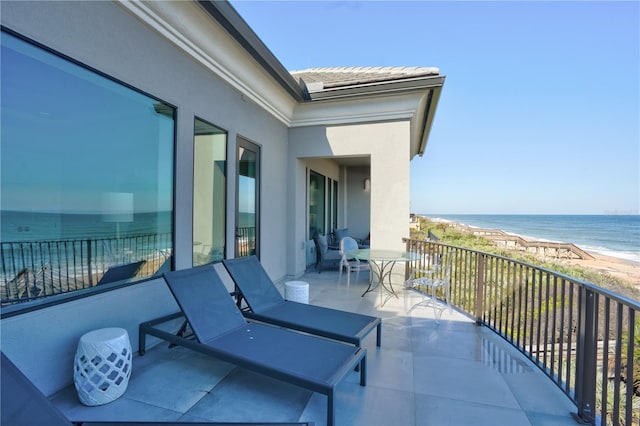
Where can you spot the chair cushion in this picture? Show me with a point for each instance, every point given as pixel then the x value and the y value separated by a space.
pixel 322 243
pixel 340 234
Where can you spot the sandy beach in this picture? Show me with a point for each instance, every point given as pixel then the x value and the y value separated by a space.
pixel 624 269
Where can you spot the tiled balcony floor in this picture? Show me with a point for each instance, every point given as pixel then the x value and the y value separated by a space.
pixel 451 373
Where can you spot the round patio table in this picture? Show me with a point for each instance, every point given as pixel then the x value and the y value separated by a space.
pixel 382 263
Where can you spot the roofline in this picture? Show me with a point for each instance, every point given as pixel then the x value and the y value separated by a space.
pixel 378 88
pixel 224 13
pixel 427 121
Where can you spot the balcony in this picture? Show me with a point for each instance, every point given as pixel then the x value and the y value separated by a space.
pixel 452 372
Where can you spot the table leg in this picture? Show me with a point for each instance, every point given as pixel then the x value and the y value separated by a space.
pixel 389 269
pixel 375 269
pixel 382 271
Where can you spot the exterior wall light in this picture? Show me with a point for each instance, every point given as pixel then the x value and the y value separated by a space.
pixel 367 185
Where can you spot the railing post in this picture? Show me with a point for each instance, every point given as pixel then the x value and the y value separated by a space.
pixel 479 309
pixel 586 358
pixel 407 265
pixel 89 262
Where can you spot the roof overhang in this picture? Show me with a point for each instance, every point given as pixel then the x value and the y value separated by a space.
pixel 428 114
pixel 227 16
pixel 377 88
pixel 413 99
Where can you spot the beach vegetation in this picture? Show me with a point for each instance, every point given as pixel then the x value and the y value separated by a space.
pixel 449 233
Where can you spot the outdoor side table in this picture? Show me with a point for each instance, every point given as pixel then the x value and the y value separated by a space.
pixel 296 291
pixel 102 365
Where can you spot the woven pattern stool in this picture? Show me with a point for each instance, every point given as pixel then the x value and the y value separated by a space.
pixel 102 366
pixel 296 291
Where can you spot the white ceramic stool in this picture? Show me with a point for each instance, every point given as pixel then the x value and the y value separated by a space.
pixel 102 365
pixel 296 291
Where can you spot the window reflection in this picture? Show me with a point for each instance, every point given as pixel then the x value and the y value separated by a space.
pixel 86 177
pixel 316 204
pixel 248 199
pixel 209 193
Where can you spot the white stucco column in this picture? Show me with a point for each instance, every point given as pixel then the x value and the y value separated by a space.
pixel 390 203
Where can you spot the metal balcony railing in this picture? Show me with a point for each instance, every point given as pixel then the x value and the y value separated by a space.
pixel 32 270
pixel 584 338
pixel 245 241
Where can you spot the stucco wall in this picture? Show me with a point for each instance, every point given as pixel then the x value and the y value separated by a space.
pixel 106 37
pixel 43 343
pixel 387 144
pixel 357 202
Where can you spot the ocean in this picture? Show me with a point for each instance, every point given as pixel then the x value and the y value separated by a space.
pixel 610 235
pixel 17 226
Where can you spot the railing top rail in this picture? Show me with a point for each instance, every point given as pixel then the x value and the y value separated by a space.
pixel 633 304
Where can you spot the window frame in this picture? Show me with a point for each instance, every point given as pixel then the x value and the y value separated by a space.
pixel 226 189
pixel 245 143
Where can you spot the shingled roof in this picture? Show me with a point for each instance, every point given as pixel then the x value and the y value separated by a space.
pixel 315 79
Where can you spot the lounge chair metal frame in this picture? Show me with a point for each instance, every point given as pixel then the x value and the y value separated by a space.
pixel 274 352
pixel 265 304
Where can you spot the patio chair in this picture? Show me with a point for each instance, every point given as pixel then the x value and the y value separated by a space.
pixel 348 244
pixel 222 332
pixel 266 304
pixel 427 283
pixel 323 254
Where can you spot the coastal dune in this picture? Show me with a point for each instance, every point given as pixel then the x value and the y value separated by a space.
pixel 626 270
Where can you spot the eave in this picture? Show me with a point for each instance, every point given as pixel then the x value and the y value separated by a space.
pixel 413 99
pixel 226 15
pixel 377 88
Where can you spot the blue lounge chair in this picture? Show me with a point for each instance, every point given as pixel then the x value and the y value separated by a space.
pixel 222 332
pixel 267 305
pixel 23 403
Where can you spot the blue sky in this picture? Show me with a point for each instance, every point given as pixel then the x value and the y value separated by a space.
pixel 540 112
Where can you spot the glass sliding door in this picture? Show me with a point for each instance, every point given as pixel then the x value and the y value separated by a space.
pixel 317 203
pixel 323 204
pixel 248 199
pixel 334 204
pixel 209 193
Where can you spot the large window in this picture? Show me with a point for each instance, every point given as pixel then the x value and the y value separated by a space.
pixel 248 199
pixel 209 193
pixel 86 177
